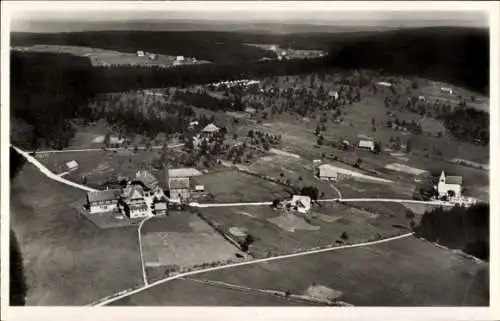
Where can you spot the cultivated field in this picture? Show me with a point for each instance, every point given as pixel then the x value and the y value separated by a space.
pixel 405 272
pixel 276 232
pixel 233 186
pixel 68 260
pixel 190 293
pixel 184 241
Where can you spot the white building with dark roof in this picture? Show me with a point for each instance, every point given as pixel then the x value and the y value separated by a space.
pixel 366 144
pixel 103 201
pixel 210 129
pixel 450 186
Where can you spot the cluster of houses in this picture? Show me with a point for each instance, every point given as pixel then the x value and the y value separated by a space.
pixel 143 197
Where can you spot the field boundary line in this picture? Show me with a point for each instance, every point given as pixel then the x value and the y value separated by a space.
pixel 223 267
pixel 144 276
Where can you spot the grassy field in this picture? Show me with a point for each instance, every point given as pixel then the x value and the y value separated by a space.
pixel 234 186
pixel 100 167
pixel 189 293
pixel 276 232
pixel 68 260
pixel 406 272
pixel 185 241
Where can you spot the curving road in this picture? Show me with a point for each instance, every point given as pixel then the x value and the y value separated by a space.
pixel 124 294
pixel 50 174
pixel 103 149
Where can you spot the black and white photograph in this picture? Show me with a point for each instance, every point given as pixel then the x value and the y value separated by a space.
pixel 239 154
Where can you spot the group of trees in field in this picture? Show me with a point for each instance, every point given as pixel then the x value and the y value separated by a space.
pixel 206 101
pixel 464 228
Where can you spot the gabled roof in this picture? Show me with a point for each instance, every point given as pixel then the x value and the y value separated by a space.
pixel 133 192
pixel 210 128
pixel 183 172
pixel 146 178
pixel 180 182
pixel 453 180
pixel 106 195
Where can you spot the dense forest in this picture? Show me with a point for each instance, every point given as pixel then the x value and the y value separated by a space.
pixel 456 55
pixel 468 124
pixel 47 90
pixel 464 228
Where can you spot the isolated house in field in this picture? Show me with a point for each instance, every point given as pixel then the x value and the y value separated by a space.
pixel 199 188
pixel 449 186
pixel 103 201
pixel 328 172
pixel 366 145
pixel 72 165
pixel 140 53
pixel 179 58
pixel 301 203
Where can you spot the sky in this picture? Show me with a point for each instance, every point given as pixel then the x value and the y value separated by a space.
pixel 25 18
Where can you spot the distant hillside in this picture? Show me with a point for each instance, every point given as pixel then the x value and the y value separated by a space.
pixel 456 55
pixel 212 46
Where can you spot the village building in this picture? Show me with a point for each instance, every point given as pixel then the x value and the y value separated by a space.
pixel 134 203
pixel 333 94
pixel 447 90
pixel 193 124
pixel 384 83
pixel 450 186
pixel 179 58
pixel 146 179
pixel 367 145
pixel 250 110
pixel 199 188
pixel 72 165
pixel 103 201
pixel 328 172
pixel 301 204
pixel 140 53
pixel 210 129
pixel 179 183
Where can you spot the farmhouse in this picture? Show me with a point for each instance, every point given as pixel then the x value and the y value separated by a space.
pixel 134 202
pixel 72 165
pixel 301 203
pixel 366 144
pixel 179 58
pixel 210 129
pixel 450 186
pixel 179 182
pixel 140 53
pixel 328 172
pixel 103 201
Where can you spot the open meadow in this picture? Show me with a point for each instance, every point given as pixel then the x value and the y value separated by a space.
pixel 405 272
pixel 277 232
pixel 182 241
pixel 67 259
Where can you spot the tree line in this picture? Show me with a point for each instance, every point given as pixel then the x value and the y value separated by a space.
pixel 464 228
